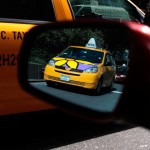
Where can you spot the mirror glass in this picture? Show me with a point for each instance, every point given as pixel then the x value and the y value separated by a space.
pixel 85 66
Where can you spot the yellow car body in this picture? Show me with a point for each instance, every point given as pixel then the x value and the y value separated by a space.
pixel 83 72
pixel 13 99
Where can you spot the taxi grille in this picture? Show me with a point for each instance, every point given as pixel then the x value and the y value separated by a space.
pixel 74 70
pixel 67 73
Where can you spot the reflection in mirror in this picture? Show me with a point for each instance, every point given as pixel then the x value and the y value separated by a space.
pixel 83 66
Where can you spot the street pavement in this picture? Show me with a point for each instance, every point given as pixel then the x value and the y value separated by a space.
pixel 136 138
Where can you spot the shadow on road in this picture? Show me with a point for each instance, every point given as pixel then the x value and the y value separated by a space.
pixel 79 90
pixel 49 129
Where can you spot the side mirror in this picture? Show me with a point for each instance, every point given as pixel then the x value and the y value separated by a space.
pixel 62 64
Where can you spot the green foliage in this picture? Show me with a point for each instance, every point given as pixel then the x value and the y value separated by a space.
pixel 52 42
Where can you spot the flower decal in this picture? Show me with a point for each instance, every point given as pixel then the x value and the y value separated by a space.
pixel 72 63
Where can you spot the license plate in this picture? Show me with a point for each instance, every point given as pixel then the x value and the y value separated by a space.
pixel 64 78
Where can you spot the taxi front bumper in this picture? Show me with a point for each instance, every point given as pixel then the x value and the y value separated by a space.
pixel 85 80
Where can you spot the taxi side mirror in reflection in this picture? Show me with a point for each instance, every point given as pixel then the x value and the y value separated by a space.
pixel 78 66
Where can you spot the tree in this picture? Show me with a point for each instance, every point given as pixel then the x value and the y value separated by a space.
pixel 53 42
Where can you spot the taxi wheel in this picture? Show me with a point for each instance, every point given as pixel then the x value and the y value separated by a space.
pixel 99 87
pixel 48 83
pixel 110 88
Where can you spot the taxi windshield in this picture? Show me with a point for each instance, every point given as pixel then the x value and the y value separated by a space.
pixel 83 54
pixel 107 9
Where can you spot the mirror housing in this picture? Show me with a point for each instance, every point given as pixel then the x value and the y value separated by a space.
pixel 125 109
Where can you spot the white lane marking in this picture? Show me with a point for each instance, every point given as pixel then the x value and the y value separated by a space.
pixel 143 146
pixel 118 92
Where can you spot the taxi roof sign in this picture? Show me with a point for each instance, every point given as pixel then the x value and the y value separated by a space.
pixel 91 43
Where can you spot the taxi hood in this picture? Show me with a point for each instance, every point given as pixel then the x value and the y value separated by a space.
pixel 72 63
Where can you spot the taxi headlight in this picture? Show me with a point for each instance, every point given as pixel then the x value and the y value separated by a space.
pixel 51 63
pixel 91 70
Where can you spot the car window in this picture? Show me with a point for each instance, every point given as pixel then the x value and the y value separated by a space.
pixel 109 60
pixel 112 60
pixel 121 70
pixel 113 9
pixel 27 9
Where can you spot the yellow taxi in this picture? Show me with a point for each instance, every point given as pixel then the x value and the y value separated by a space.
pixel 82 66
pixel 16 19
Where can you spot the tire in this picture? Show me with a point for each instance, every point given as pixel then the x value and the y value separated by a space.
pixel 110 88
pixel 48 83
pixel 97 91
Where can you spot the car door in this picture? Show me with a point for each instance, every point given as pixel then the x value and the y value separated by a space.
pixel 109 70
pixel 16 18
